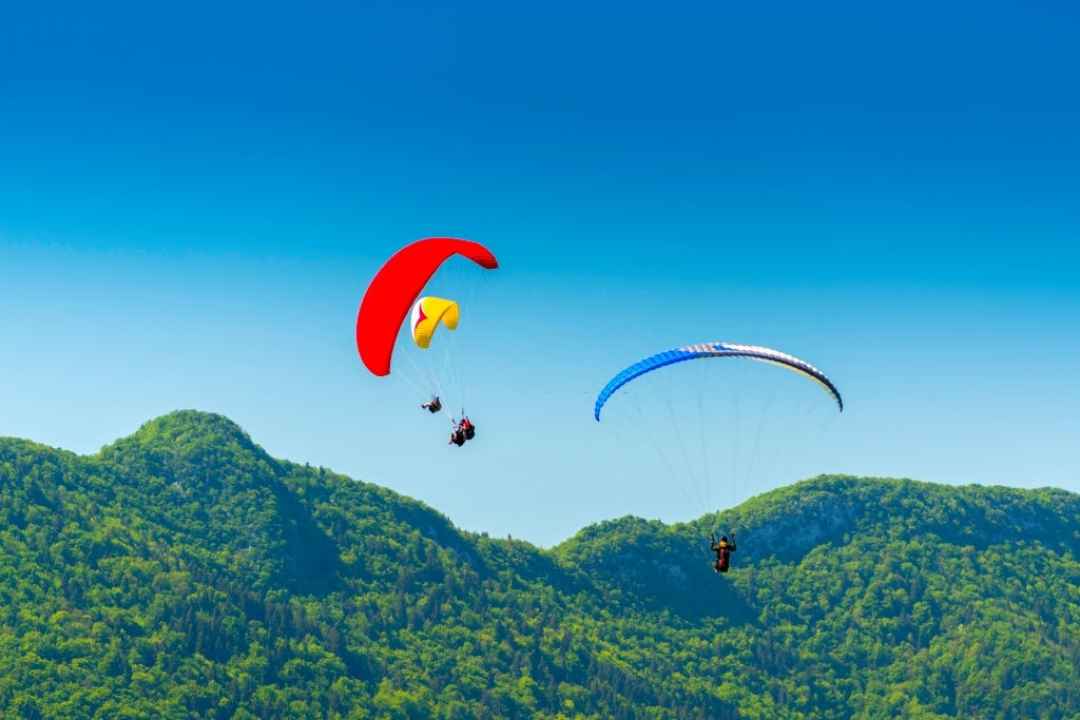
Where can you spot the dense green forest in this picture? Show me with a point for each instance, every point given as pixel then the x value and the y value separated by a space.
pixel 184 573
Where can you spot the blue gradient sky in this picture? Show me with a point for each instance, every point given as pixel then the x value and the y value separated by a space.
pixel 193 199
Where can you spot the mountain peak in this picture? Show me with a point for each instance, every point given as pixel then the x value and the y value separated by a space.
pixel 187 433
pixel 191 426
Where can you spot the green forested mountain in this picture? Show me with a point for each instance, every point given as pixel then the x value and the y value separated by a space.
pixel 184 573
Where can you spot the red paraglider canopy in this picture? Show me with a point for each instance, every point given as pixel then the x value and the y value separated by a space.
pixel 395 288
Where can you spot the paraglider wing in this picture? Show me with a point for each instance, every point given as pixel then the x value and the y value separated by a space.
pixel 427 313
pixel 715 350
pixel 396 286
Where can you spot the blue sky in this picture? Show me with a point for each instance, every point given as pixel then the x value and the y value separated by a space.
pixel 193 199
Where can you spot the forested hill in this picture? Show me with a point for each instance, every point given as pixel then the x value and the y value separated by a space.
pixel 184 573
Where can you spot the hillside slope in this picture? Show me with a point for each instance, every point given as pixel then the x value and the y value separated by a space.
pixel 182 572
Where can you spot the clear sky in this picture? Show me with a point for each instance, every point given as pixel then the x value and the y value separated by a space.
pixel 193 198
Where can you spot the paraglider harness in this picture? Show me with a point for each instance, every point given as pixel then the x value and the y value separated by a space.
pixel 723 549
pixel 434 406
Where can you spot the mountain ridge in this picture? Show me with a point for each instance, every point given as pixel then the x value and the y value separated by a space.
pixel 183 571
pixel 196 432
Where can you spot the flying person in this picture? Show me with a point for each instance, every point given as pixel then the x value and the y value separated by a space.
pixel 434 405
pixel 466 426
pixel 457 437
pixel 723 549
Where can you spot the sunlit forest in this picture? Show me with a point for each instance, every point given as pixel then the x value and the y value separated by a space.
pixel 183 572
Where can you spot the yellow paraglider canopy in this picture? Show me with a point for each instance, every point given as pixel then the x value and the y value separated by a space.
pixel 427 313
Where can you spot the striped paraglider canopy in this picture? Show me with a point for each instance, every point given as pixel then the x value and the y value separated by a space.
pixel 715 350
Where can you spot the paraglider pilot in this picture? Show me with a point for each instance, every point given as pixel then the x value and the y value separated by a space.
pixel 463 430
pixel 434 405
pixel 723 549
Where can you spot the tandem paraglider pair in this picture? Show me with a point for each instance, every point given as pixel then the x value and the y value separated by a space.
pixel 463 430
pixel 393 295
